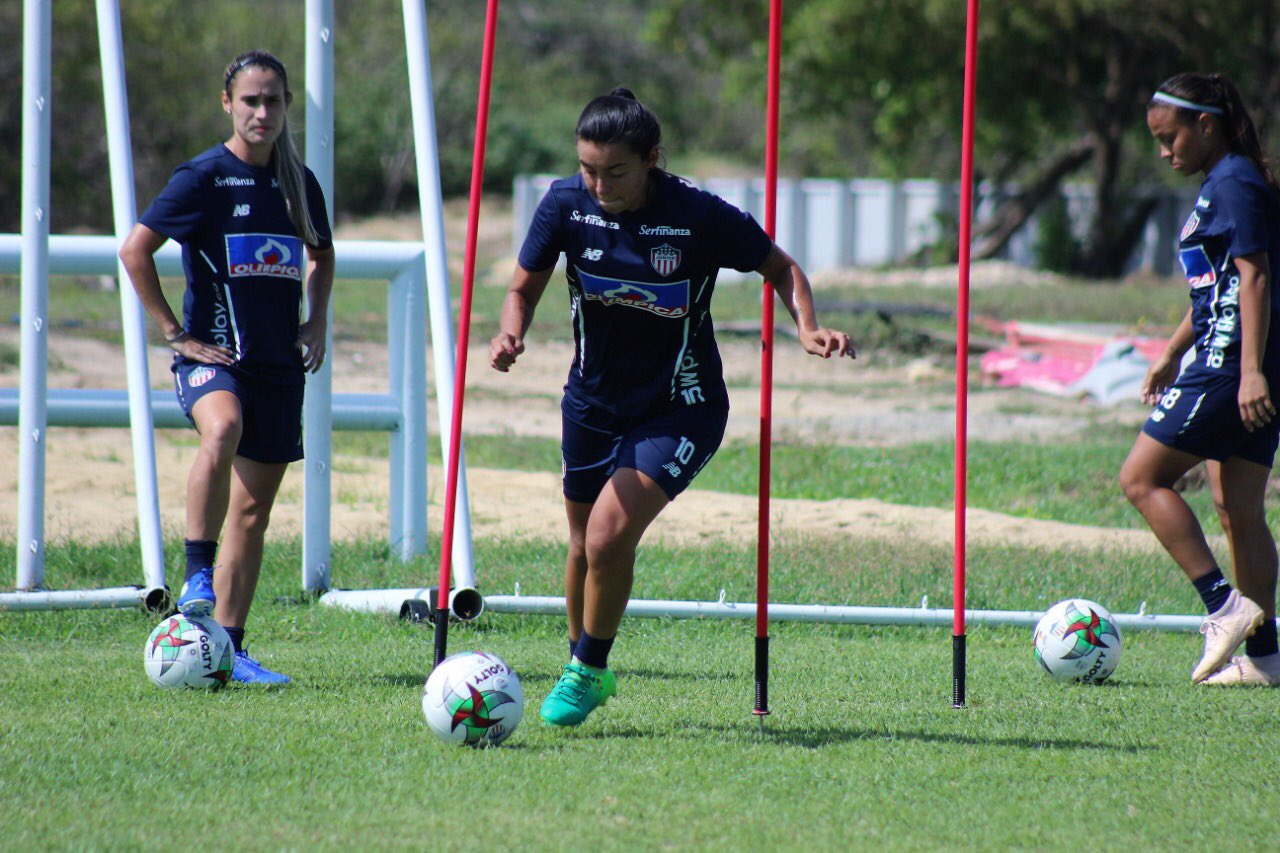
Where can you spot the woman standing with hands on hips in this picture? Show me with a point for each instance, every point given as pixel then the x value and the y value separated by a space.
pixel 1220 409
pixel 645 404
pixel 252 223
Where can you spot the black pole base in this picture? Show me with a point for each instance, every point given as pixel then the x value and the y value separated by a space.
pixel 957 671
pixel 762 677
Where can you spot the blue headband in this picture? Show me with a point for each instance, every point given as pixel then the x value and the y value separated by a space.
pixel 1185 104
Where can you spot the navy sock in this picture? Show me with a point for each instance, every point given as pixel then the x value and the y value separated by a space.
pixel 1213 589
pixel 1263 642
pixel 237 637
pixel 593 651
pixel 200 553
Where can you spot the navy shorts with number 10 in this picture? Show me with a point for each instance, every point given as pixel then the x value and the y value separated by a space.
pixel 670 447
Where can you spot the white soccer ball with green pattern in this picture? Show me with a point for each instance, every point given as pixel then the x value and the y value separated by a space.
pixel 473 698
pixel 1077 640
pixel 184 651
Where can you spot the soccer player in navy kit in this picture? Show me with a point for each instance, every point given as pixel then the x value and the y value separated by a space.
pixel 1220 408
pixel 252 223
pixel 645 404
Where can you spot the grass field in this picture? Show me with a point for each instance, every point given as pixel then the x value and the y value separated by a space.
pixel 862 749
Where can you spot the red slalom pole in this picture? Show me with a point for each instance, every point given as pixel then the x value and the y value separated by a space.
pixel 761 708
pixel 962 354
pixel 464 330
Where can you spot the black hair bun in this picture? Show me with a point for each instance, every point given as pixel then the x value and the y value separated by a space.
pixel 624 92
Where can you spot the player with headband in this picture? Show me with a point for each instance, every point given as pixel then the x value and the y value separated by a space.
pixel 1220 409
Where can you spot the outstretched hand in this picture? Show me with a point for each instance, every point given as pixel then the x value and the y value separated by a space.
pixel 504 349
pixel 1159 378
pixel 826 343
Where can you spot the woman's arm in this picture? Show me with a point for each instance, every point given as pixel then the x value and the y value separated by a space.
pixel 792 285
pixel 1164 370
pixel 313 333
pixel 138 256
pixel 1254 398
pixel 517 313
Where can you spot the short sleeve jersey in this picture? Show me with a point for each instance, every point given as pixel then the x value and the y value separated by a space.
pixel 1236 214
pixel 243 258
pixel 640 285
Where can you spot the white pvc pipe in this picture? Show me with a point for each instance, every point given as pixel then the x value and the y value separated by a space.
pixel 430 202
pixel 317 489
pixel 36 74
pixel 84 599
pixel 124 211
pixel 97 407
pixel 389 601
pixel 413 392
pixel 97 255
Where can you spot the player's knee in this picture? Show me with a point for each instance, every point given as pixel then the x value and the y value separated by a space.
pixel 605 547
pixel 221 432
pixel 1135 485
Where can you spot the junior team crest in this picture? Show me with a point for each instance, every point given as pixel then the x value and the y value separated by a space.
pixel 1190 226
pixel 200 375
pixel 665 259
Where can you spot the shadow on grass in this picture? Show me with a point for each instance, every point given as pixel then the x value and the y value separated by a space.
pixel 816 738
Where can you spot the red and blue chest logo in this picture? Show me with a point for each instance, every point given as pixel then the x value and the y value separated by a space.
pixel 1197 266
pixel 665 299
pixel 665 259
pixel 271 255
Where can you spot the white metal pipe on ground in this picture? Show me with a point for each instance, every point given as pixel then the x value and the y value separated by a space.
pixel 124 213
pixel 37 61
pixel 84 599
pixel 389 601
pixel 317 431
pixel 427 160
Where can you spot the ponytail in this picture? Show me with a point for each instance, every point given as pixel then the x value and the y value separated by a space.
pixel 1192 94
pixel 290 172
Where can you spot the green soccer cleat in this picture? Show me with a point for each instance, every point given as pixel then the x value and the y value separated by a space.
pixel 580 690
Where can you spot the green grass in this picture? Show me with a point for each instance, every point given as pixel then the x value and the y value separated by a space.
pixel 1071 482
pixel 862 747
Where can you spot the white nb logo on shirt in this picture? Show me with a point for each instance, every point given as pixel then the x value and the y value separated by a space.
pixel 241 210
pixel 593 254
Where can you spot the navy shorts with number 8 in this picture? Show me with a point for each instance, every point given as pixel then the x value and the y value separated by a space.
pixel 1200 415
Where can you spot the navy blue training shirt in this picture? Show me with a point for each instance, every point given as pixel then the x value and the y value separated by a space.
pixel 640 285
pixel 1236 214
pixel 243 258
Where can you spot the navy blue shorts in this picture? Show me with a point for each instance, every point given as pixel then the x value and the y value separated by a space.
pixel 271 412
pixel 671 448
pixel 1200 415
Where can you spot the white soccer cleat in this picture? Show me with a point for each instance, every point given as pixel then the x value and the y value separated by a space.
pixel 1241 671
pixel 1224 630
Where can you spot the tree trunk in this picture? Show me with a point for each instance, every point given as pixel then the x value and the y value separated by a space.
pixel 994 233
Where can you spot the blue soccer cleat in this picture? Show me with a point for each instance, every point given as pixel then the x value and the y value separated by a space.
pixel 246 670
pixel 197 598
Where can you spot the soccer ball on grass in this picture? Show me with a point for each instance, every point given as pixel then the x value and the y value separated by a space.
pixel 473 698
pixel 1077 640
pixel 185 651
